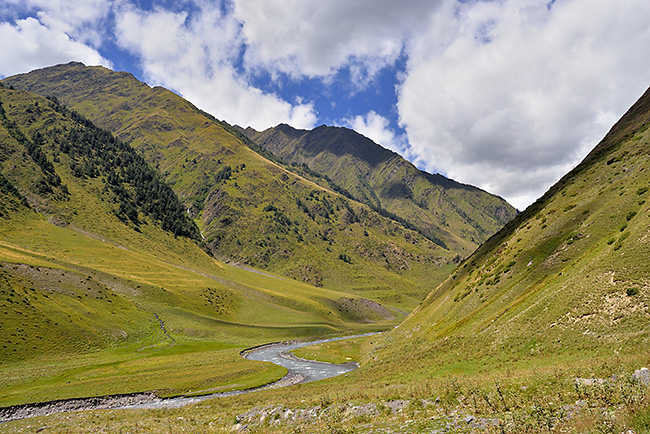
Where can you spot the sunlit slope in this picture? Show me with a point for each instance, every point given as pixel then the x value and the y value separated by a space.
pixel 456 215
pixel 252 210
pixel 568 278
pixel 97 297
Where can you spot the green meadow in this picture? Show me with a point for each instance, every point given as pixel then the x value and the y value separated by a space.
pixel 88 318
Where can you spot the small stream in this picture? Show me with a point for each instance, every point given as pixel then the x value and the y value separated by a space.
pixel 299 371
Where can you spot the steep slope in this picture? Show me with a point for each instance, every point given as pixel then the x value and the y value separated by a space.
pixel 103 285
pixel 251 210
pixel 566 280
pixel 458 215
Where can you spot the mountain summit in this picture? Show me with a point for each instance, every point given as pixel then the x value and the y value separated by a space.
pixel 457 215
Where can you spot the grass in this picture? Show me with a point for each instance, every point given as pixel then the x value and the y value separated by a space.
pixel 333 352
pixel 123 348
pixel 539 397
pixel 303 241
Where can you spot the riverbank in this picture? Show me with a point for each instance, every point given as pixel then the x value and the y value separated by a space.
pixel 299 371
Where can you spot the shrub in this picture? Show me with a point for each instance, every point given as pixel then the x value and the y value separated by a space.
pixel 345 258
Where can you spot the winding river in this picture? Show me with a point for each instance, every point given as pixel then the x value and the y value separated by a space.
pixel 299 371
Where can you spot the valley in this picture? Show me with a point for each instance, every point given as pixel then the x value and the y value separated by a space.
pixel 298 371
pixel 100 296
pixel 145 253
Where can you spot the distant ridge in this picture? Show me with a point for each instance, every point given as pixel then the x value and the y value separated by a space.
pixel 461 216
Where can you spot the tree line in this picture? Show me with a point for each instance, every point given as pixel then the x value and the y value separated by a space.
pixel 95 152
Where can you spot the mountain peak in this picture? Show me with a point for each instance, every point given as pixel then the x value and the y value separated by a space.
pixel 454 214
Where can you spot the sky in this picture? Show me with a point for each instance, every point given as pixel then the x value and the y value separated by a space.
pixel 507 95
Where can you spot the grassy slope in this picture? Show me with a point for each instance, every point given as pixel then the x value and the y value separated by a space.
pixel 462 216
pixel 305 234
pixel 579 310
pixel 563 286
pixel 82 293
pixel 573 266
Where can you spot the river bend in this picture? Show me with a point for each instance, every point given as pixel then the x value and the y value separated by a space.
pixel 299 371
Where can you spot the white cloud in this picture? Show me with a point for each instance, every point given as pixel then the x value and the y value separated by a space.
pixel 376 127
pixel 195 56
pixel 509 95
pixel 316 38
pixel 29 44
pixel 82 20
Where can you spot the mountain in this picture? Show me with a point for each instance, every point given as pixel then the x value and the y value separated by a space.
pixel 105 285
pixel 565 282
pixel 459 216
pixel 250 208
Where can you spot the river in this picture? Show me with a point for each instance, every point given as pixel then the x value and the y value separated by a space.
pixel 299 371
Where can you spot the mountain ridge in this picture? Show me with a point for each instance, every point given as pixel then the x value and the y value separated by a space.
pixel 460 215
pixel 251 210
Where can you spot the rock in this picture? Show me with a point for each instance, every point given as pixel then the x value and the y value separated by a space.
pixel 589 381
pixel 642 375
pixel 397 405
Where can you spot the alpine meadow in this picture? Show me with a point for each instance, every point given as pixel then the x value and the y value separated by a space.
pixel 147 246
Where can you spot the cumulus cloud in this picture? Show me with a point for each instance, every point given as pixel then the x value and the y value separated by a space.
pixel 376 127
pixel 511 94
pixel 29 44
pixel 507 95
pixel 316 38
pixel 82 20
pixel 196 55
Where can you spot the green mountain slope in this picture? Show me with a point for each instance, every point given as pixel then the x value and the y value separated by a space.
pixel 104 286
pixel 252 210
pixel 567 280
pixel 458 215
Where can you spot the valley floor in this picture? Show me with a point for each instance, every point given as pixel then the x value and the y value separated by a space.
pixel 533 400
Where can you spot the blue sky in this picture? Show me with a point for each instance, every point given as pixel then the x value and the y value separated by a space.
pixel 507 95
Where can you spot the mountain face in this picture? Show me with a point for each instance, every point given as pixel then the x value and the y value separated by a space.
pixel 250 209
pixel 105 286
pixel 458 216
pixel 567 279
pixel 58 171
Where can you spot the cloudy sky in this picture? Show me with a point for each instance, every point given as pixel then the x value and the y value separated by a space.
pixel 507 95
